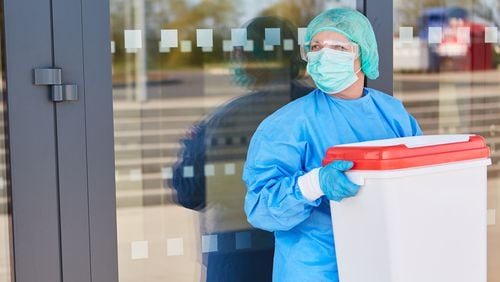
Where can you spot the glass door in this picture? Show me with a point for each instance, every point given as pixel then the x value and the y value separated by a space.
pixel 191 82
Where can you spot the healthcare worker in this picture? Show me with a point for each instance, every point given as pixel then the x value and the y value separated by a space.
pixel 288 190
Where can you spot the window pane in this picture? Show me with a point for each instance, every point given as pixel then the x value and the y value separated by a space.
pixel 447 72
pixel 191 82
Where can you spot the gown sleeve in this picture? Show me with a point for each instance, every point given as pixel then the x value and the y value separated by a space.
pixel 274 162
pixel 415 127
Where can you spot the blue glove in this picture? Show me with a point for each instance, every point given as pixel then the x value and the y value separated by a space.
pixel 334 183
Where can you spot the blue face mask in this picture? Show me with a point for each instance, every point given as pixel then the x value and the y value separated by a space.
pixel 332 70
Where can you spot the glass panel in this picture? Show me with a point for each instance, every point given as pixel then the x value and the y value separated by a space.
pixel 6 273
pixel 191 82
pixel 447 72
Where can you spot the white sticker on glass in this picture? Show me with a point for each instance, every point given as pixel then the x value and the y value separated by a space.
pixel 406 34
pixel 113 47
pixel 209 243
pixel 175 247
pixel 268 47
pixel 229 169
pixel 188 171
pixel 435 34
pixel 491 34
pixel 301 34
pixel 135 175
pixel 209 170
pixel 185 46
pixel 288 44
pixel 166 173
pixel 238 36
pixel 272 36
pixel 163 49
pixel 169 38
pixel 227 45
pixel 248 46
pixel 133 39
pixel 206 49
pixel 204 38
pixel 139 250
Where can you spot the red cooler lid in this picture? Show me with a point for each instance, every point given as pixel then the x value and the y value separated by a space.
pixel 408 152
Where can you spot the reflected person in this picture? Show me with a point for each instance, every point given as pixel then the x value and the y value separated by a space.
pixel 271 78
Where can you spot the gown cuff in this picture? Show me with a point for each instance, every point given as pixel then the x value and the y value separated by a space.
pixel 309 185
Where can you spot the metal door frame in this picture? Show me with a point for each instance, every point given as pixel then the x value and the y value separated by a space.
pixel 61 159
pixel 380 15
pixel 31 143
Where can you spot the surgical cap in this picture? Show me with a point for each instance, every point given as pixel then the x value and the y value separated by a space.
pixel 356 27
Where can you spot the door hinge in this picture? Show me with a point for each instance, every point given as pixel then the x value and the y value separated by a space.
pixel 53 77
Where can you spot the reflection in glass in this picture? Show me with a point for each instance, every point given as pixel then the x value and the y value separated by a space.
pixel 221 140
pixel 191 81
pixel 447 72
pixel 5 216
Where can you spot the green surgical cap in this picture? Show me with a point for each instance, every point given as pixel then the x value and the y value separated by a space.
pixel 356 27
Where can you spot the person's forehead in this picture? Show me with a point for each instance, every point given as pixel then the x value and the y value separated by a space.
pixel 329 35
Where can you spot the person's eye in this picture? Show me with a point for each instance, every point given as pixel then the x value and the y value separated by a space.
pixel 315 47
pixel 339 48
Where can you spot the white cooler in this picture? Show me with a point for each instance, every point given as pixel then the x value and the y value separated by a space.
pixel 420 215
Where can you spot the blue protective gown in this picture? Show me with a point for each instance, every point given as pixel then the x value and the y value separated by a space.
pixel 293 141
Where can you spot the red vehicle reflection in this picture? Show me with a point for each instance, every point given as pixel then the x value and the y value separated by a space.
pixel 463 47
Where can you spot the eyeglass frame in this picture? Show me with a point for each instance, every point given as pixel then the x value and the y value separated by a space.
pixel 341 47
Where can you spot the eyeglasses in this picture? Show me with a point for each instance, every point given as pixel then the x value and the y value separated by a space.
pixel 315 46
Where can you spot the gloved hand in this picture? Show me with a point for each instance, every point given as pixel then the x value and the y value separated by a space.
pixel 334 183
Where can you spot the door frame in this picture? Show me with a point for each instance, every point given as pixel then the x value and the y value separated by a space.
pixel 60 155
pixel 31 143
pixel 100 140
pixel 381 20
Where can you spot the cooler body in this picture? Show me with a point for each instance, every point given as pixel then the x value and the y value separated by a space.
pixel 422 223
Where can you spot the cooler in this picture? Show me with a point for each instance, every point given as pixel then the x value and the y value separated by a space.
pixel 420 214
